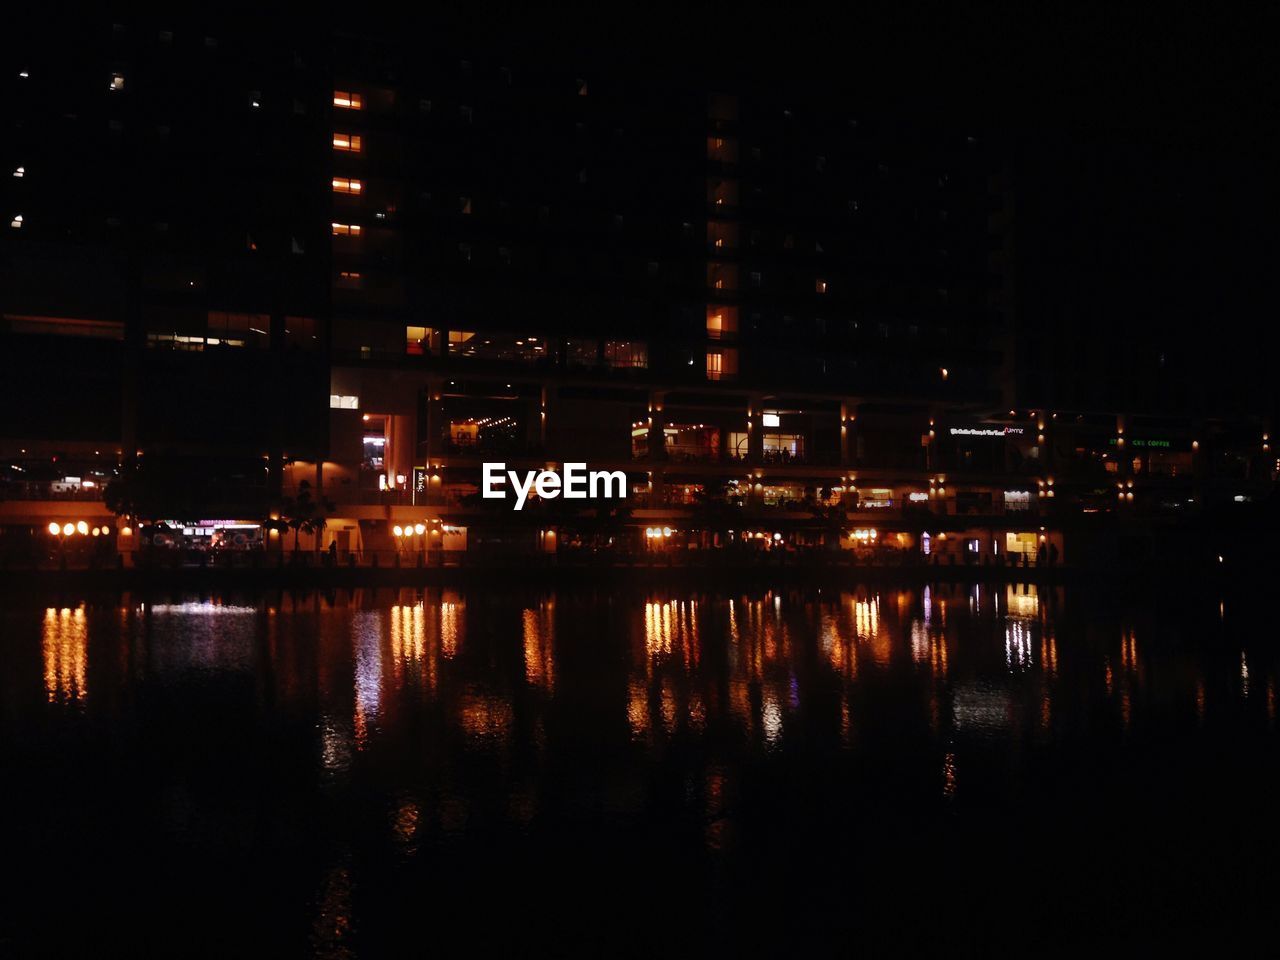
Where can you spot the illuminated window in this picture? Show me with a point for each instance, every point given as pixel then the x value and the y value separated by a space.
pixel 117 81
pixel 20 172
pixel 770 420
pixel 348 142
pixel 462 342
pixel 722 322
pixel 238 329
pixel 347 100
pixel 16 222
pixel 344 185
pixel 343 402
pixel 350 280
pixel 414 338
pixel 782 447
pixel 722 364
pixel 346 229
pixel 820 286
pixel 626 354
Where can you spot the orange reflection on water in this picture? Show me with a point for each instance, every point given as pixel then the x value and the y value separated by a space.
pixel 539 639
pixel 487 717
pixel 836 639
pixel 1022 600
pixel 637 710
pixel 671 630
pixel 452 610
pixel 65 642
pixel 868 625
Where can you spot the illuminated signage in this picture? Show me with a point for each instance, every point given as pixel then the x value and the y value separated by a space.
pixel 1140 442
pixel 986 431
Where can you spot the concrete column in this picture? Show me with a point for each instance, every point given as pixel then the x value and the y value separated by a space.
pixel 434 447
pixel 657 420
pixel 755 430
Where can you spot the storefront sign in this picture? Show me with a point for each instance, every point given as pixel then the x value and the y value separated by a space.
pixel 986 431
pixel 1144 443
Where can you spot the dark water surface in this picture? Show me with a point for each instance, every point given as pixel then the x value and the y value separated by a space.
pixel 962 770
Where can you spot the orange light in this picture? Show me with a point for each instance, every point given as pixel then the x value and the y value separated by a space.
pixel 82 528
pixel 54 529
pixel 68 529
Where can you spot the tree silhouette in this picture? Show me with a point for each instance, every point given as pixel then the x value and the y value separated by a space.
pixel 304 513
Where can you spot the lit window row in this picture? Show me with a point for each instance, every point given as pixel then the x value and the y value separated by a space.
pixel 344 185
pixel 348 142
pixel 343 402
pixel 346 229
pixel 347 100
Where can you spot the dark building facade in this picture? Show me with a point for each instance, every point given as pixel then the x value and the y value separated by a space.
pixel 376 262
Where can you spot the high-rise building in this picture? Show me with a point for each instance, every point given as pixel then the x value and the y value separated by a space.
pixel 374 262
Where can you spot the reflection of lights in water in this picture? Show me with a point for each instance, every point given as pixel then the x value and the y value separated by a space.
pixel 740 704
pixel 836 642
pixel 671 629
pixel 919 642
pixel 487 718
pixel 637 711
pixel 1128 651
pixel 408 635
pixel 331 927
pixel 1200 700
pixel 1049 651
pixel 949 775
pixel 667 703
pixel 657 629
pixel 539 633
pixel 980 708
pixel 451 613
pixel 335 745
pixel 771 719
pixel 1017 645
pixel 846 721
pixel 65 645
pixel 867 614
pixel 1022 604
pixel 404 821
pixel 697 713
pixel 1244 674
pixel 205 608
pixel 366 630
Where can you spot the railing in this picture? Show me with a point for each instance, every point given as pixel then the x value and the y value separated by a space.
pixel 34 490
